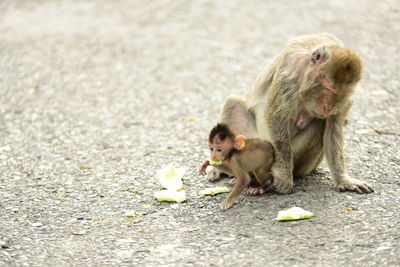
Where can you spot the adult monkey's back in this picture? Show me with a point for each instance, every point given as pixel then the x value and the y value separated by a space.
pixel 300 102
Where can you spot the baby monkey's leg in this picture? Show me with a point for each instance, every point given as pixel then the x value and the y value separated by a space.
pixel 241 182
pixel 264 179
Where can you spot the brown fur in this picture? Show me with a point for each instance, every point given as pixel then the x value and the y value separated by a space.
pixel 248 157
pixel 299 104
pixel 256 158
pixel 220 131
pixel 295 94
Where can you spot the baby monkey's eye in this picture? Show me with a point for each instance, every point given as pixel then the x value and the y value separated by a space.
pixel 211 149
pixel 219 149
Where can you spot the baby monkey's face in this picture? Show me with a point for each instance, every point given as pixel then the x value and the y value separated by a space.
pixel 219 149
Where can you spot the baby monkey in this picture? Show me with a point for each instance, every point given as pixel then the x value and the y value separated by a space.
pixel 240 157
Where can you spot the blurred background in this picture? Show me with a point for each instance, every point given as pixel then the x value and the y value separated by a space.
pixel 96 95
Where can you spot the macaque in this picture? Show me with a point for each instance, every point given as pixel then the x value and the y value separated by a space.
pixel 242 158
pixel 235 114
pixel 299 104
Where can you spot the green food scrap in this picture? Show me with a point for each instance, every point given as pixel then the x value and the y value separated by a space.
pixel 215 162
pixel 292 214
pixel 171 178
pixel 130 214
pixel 212 191
pixel 170 172
pixel 169 195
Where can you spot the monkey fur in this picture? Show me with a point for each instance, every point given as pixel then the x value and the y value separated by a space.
pixel 242 158
pixel 299 104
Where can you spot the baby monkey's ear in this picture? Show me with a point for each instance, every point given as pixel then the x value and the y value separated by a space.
pixel 240 143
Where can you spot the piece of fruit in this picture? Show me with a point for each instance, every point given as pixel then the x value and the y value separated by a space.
pixel 292 214
pixel 215 190
pixel 171 178
pixel 169 195
pixel 215 162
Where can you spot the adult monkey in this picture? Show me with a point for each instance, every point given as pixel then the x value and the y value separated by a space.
pixel 299 103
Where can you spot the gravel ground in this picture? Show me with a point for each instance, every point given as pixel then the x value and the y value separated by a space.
pixel 96 96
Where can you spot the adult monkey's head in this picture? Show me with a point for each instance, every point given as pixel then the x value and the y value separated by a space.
pixel 331 77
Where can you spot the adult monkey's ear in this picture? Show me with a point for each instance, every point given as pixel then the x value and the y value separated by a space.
pixel 319 55
pixel 240 143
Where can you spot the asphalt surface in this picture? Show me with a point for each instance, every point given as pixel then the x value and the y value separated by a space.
pixel 96 96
